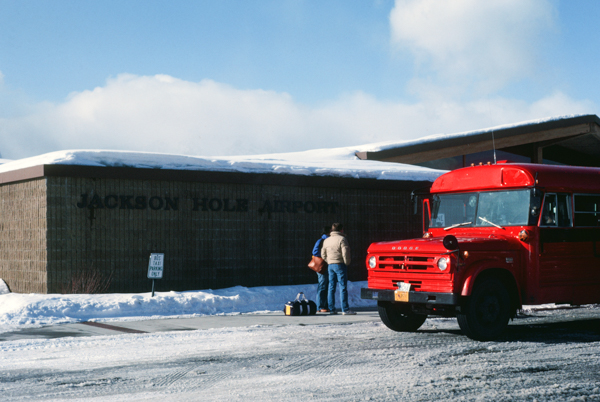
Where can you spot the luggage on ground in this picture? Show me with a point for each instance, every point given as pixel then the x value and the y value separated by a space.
pixel 300 306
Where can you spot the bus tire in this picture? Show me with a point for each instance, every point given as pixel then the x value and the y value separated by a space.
pixel 398 319
pixel 486 312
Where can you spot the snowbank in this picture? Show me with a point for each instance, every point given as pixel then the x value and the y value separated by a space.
pixel 3 288
pixel 35 310
pixel 18 310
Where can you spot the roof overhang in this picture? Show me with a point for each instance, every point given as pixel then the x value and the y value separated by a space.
pixel 580 134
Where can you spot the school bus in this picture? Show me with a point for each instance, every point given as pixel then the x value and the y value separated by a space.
pixel 496 237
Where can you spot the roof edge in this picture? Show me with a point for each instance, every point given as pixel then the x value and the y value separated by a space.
pixel 135 173
pixel 477 136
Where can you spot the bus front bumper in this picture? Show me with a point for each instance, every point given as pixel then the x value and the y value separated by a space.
pixel 412 297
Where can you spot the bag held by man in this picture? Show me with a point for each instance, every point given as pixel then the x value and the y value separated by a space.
pixel 300 306
pixel 316 264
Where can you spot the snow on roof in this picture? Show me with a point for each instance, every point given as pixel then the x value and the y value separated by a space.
pixel 338 162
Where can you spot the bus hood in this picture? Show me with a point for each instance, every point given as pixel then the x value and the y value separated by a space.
pixel 434 245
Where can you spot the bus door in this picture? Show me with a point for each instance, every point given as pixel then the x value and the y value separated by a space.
pixel 560 252
pixel 587 226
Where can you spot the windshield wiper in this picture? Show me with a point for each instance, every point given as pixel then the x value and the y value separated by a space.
pixel 457 225
pixel 491 223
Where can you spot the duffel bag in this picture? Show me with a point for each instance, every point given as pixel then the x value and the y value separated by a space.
pixel 300 306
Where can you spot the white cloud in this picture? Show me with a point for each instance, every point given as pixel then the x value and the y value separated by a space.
pixel 164 114
pixel 159 113
pixel 484 44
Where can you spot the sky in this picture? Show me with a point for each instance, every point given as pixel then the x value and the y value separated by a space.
pixel 235 77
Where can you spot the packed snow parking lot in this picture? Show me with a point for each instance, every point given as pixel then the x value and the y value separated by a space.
pixel 547 354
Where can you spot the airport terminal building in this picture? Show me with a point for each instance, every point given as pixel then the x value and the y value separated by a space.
pixel 216 229
pixel 220 228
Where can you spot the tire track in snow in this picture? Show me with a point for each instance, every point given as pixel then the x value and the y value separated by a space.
pixel 171 378
pixel 319 364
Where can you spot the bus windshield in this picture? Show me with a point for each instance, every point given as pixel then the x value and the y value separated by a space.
pixel 489 208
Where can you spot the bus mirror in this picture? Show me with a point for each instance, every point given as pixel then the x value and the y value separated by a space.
pixel 450 243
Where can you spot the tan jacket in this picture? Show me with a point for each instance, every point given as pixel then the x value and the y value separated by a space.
pixel 336 249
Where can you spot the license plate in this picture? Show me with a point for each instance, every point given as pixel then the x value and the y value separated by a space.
pixel 400 296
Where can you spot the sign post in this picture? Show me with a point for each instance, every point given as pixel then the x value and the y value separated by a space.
pixel 155 268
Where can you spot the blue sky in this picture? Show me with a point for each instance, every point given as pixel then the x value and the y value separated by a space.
pixel 313 50
pixel 243 77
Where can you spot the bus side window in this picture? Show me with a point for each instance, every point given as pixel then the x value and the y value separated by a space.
pixel 587 210
pixel 549 211
pixel 556 210
pixel 564 210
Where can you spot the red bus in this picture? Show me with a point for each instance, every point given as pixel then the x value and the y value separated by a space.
pixel 498 237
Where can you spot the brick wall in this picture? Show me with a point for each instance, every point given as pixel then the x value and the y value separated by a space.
pixel 213 235
pixel 23 236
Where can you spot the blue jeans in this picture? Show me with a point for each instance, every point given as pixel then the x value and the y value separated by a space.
pixel 338 273
pixel 322 290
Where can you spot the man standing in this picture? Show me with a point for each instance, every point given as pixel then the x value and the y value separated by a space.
pixel 323 276
pixel 336 253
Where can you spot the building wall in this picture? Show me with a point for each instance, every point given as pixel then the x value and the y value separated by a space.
pixel 23 236
pixel 216 230
pixel 213 235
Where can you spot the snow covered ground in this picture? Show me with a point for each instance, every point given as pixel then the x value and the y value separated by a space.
pixel 358 362
pixel 548 354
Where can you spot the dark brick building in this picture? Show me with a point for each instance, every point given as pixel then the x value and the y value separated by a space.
pixel 216 229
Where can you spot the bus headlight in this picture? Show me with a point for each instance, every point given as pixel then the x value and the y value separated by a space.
pixel 372 262
pixel 443 263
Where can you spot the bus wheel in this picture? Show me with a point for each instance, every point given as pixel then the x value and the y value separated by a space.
pixel 398 319
pixel 486 312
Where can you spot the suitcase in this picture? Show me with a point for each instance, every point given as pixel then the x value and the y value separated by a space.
pixel 300 306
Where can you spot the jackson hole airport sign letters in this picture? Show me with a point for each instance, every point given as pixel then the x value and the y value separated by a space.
pixel 156 203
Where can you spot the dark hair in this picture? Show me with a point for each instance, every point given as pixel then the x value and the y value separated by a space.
pixel 326 230
pixel 337 227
